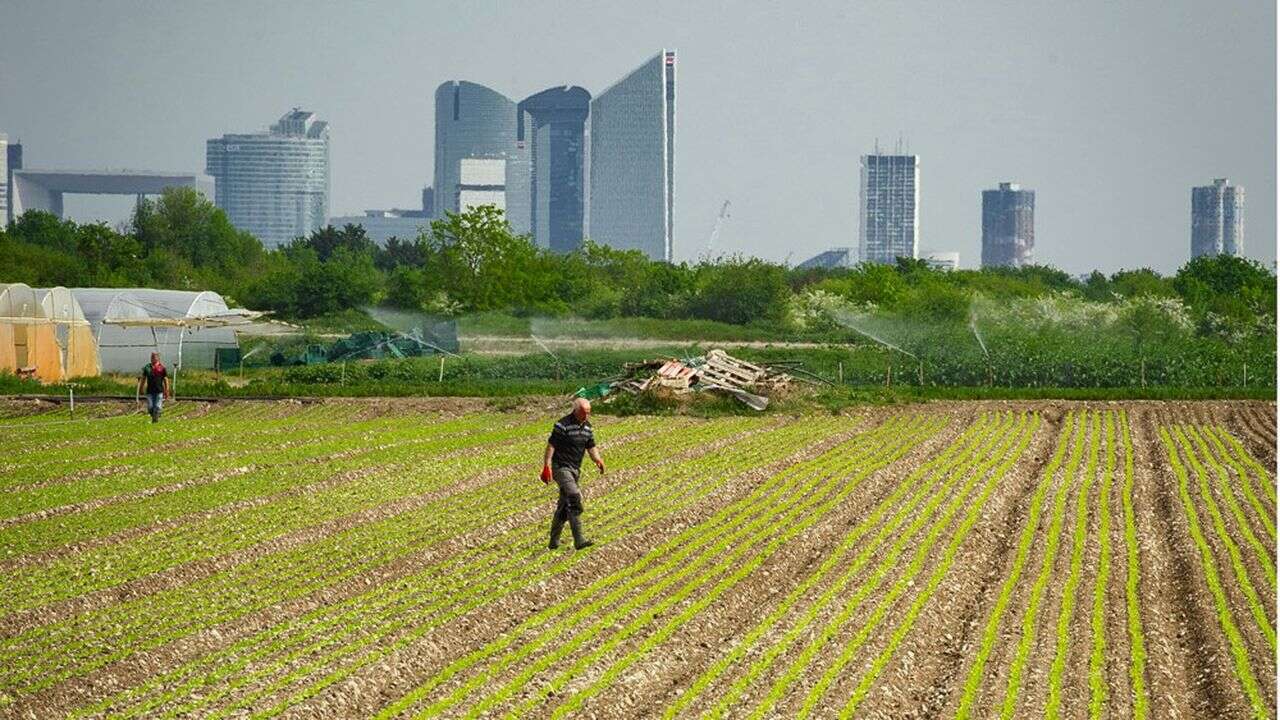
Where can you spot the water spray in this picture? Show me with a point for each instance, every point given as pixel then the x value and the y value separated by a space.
pixel 973 325
pixel 547 350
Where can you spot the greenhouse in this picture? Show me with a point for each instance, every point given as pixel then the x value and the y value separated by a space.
pixel 28 340
pixel 78 349
pixel 130 324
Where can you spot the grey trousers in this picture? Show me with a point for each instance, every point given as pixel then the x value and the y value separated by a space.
pixel 569 506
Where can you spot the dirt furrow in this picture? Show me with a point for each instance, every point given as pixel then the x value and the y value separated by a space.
pixel 1189 662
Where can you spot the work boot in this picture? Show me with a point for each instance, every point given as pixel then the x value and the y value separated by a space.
pixel 579 542
pixel 556 526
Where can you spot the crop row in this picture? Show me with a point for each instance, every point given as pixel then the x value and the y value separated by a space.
pixel 991 628
pixel 964 448
pixel 270 578
pixel 737 539
pixel 376 622
pixel 1008 443
pixel 1177 446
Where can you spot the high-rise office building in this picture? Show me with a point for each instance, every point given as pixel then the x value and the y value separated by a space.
pixel 889 208
pixel 632 146
pixel 274 184
pixel 4 180
pixel 1217 219
pixel 1008 226
pixel 552 124
pixel 474 122
pixel 10 160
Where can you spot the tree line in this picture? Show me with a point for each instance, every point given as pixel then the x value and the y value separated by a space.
pixel 472 262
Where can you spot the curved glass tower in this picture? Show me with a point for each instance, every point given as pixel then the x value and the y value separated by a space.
pixel 633 133
pixel 474 122
pixel 274 185
pixel 552 124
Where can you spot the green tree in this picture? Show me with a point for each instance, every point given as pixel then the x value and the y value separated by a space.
pixel 740 291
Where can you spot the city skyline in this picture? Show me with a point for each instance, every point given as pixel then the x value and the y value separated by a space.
pixel 1062 117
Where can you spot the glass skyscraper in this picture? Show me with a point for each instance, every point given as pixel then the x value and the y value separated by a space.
pixel 632 160
pixel 889 213
pixel 275 184
pixel 551 124
pixel 477 123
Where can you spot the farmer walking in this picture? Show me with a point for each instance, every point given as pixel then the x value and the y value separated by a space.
pixel 155 383
pixel 562 461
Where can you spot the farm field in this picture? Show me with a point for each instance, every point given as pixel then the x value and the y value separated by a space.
pixel 388 559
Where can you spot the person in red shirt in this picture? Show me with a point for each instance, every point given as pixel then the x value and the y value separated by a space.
pixel 154 382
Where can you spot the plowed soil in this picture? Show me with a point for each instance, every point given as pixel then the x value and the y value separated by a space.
pixel 376 559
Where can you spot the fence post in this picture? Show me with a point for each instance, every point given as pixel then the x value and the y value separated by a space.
pixel 840 372
pixel 72 390
pixel 441 378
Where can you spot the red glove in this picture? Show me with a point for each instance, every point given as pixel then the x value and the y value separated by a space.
pixel 546 473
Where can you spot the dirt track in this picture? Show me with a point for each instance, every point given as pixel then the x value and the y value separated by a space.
pixel 939 560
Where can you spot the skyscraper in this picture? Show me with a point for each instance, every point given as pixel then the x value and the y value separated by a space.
pixel 632 190
pixel 1008 226
pixel 889 208
pixel 1217 219
pixel 274 184
pixel 477 123
pixel 4 180
pixel 552 125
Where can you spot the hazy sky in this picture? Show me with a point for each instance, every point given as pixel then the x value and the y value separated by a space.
pixel 1109 111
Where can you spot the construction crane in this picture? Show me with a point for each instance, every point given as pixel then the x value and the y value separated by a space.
pixel 715 231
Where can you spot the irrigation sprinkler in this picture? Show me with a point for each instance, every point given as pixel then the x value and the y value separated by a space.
pixel 547 350
pixel 973 326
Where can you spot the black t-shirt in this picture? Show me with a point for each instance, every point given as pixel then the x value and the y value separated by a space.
pixel 155 380
pixel 571 440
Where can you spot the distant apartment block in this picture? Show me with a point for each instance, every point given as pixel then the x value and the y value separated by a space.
pixel 10 160
pixel 1008 226
pixel 552 125
pixel 841 257
pixel 632 160
pixel 4 181
pixel 889 208
pixel 1217 219
pixel 274 184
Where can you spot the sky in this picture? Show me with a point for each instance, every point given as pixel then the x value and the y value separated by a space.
pixel 1111 112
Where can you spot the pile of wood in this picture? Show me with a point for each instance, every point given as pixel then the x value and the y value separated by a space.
pixel 716 371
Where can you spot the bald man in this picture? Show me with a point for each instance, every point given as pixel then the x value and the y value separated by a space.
pixel 570 439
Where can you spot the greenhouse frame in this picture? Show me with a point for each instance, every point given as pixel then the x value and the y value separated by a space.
pixel 130 324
